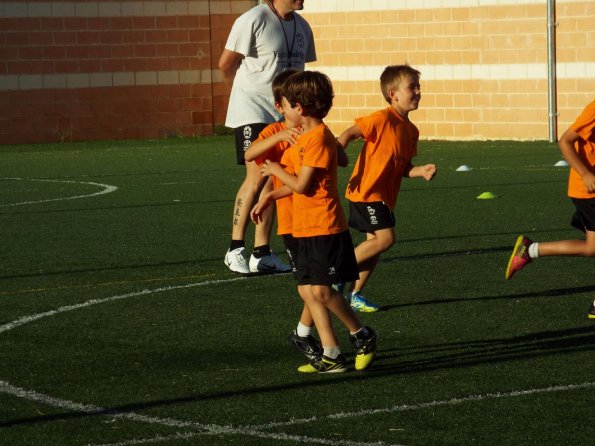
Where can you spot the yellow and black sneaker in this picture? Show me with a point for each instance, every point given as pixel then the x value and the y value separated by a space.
pixel 324 364
pixel 591 312
pixel 364 344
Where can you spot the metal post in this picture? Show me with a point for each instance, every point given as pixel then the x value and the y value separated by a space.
pixel 551 68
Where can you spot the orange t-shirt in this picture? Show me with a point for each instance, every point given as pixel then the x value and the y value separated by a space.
pixel 390 144
pixel 284 205
pixel 585 147
pixel 318 211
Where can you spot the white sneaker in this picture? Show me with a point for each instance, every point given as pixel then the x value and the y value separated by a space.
pixel 270 264
pixel 236 261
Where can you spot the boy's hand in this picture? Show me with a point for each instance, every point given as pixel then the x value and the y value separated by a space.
pixel 290 135
pixel 428 171
pixel 269 168
pixel 258 210
pixel 589 182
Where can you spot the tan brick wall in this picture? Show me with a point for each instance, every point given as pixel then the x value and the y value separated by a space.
pixel 74 70
pixel 484 66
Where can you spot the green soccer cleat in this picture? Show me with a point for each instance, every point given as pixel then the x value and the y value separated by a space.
pixel 361 304
pixel 519 257
pixel 591 312
pixel 324 364
pixel 365 349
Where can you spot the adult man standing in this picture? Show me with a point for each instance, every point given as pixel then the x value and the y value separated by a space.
pixel 267 39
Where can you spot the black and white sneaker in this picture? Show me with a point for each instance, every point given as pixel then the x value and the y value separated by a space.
pixel 307 345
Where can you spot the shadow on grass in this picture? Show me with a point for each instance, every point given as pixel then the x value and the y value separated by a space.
pixel 395 361
pixel 533 294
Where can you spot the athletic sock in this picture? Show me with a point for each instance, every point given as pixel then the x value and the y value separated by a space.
pixel 261 251
pixel 303 330
pixel 235 244
pixel 534 250
pixel 331 352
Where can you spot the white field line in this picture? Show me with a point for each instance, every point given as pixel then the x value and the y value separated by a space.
pixel 209 429
pixel 107 189
pixel 34 317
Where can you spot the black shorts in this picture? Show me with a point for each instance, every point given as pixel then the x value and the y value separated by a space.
pixel 584 216
pixel 246 135
pixel 291 246
pixel 370 217
pixel 326 259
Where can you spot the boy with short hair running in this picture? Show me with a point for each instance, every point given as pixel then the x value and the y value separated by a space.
pixel 577 145
pixel 325 250
pixel 390 143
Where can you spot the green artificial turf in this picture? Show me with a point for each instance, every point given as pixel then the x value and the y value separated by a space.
pixel 120 324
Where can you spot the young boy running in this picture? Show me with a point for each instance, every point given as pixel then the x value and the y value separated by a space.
pixel 324 246
pixel 390 142
pixel 272 142
pixel 577 145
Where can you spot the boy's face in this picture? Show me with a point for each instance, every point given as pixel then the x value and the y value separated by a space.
pixel 293 115
pixel 407 95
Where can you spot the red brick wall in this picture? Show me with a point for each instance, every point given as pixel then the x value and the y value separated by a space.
pixel 91 70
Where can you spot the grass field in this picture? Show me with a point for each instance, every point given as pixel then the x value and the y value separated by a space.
pixel 120 325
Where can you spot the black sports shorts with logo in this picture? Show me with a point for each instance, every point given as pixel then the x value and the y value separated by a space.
pixel 326 259
pixel 370 217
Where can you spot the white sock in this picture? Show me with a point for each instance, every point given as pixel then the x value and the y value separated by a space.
pixel 331 352
pixel 534 250
pixel 303 330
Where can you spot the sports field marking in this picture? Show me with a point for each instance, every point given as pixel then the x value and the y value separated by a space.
pixel 34 317
pixel 95 285
pixel 107 189
pixel 210 429
pixel 205 429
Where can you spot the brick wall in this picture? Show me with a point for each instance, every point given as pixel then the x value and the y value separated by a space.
pixel 483 62
pixel 147 69
pixel 111 69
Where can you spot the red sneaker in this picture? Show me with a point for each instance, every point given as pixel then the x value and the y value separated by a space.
pixel 519 257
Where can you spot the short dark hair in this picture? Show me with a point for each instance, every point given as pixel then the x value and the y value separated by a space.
pixel 392 75
pixel 278 82
pixel 313 90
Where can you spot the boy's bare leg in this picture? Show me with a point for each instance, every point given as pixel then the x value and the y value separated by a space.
pixel 368 252
pixel 337 305
pixel 584 248
pixel 320 316
pixel 306 317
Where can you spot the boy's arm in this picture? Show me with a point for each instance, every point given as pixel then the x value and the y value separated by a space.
pixel 299 184
pixel 265 202
pixel 427 171
pixel 349 135
pixel 566 145
pixel 261 146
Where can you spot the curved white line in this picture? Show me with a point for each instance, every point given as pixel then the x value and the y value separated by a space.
pixel 107 189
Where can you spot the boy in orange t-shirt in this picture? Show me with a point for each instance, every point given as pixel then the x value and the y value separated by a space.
pixel 271 143
pixel 577 144
pixel 390 144
pixel 325 250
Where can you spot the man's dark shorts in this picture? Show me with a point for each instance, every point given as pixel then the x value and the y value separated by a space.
pixel 370 217
pixel 244 136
